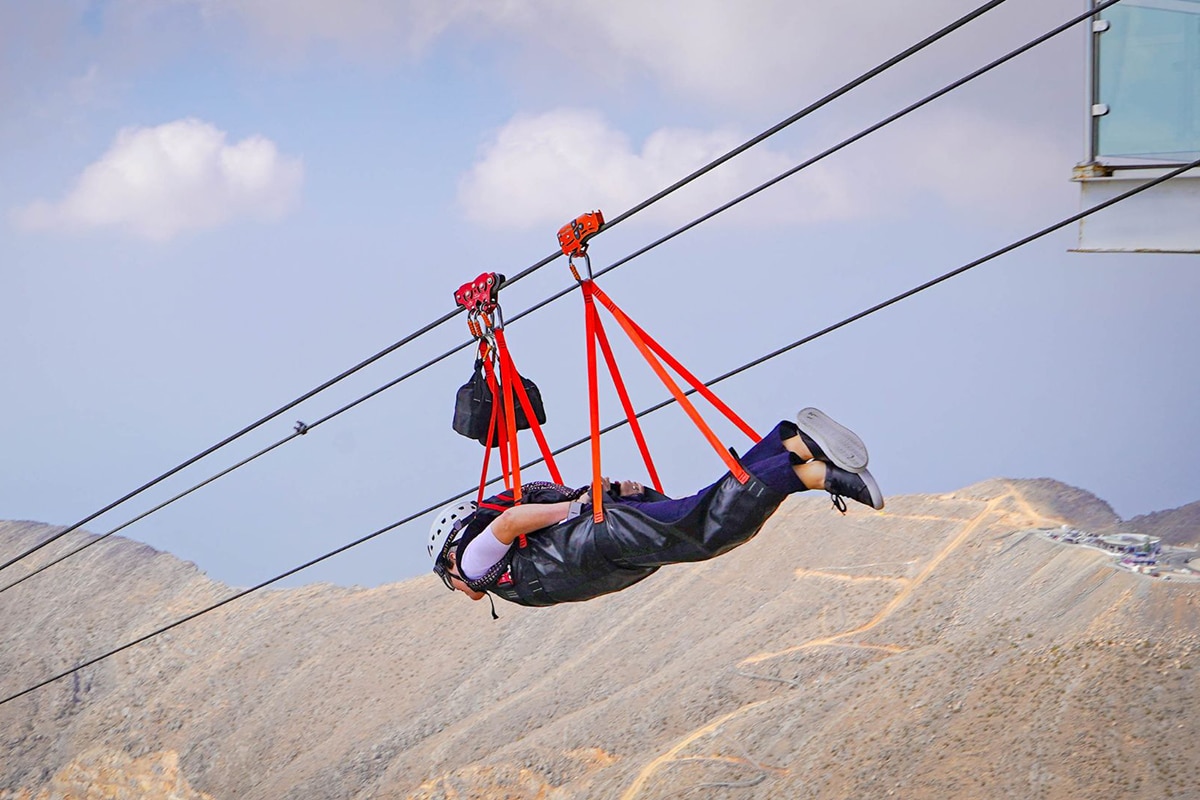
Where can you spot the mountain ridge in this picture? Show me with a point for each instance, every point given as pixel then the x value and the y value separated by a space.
pixel 901 651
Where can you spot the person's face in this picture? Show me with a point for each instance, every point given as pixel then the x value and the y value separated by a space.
pixel 456 580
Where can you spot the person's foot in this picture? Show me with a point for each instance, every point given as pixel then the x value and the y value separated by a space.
pixel 830 442
pixel 858 486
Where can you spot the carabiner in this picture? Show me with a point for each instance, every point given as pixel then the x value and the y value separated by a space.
pixel 586 260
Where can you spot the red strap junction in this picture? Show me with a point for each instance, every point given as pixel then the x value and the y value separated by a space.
pixel 507 389
pixel 655 354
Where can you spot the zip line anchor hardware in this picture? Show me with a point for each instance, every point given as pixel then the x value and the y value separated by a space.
pixel 480 295
pixel 481 299
pixel 587 260
pixel 573 236
pixel 497 401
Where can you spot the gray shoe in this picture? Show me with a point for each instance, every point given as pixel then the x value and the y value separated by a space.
pixel 858 486
pixel 830 442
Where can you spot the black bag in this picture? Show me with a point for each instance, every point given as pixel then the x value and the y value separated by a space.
pixel 473 407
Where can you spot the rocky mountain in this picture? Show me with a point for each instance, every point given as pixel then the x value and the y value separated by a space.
pixel 1179 526
pixel 941 648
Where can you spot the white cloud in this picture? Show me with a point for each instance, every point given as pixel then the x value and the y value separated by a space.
pixel 540 169
pixel 761 54
pixel 158 182
pixel 713 50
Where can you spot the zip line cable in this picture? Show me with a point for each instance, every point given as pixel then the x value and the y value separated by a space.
pixel 229 439
pixel 886 303
pixel 562 293
pixel 826 153
pixel 931 39
pixel 829 98
pixel 879 306
pixel 862 134
pixel 144 514
pixel 302 429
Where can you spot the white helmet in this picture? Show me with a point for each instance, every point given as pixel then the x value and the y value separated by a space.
pixel 449 520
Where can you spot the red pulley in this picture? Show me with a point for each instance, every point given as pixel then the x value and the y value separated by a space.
pixel 480 294
pixel 573 236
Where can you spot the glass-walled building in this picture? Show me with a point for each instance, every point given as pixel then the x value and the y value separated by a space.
pixel 1146 85
pixel 1145 121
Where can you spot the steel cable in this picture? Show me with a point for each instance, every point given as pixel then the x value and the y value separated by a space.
pixel 828 98
pixel 748 365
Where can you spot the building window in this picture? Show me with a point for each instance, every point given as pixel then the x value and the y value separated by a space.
pixel 1146 93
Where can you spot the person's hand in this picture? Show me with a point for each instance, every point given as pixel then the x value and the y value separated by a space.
pixel 631 488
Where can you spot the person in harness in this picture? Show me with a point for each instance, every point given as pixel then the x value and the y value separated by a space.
pixel 548 549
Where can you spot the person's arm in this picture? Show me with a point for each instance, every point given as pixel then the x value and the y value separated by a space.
pixel 525 519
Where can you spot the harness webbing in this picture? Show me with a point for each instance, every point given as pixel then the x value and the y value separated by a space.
pixel 695 382
pixel 590 319
pixel 630 414
pixel 507 389
pixel 494 430
pixel 654 354
pixel 515 383
pixel 510 421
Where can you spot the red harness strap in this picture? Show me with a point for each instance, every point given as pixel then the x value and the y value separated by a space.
pixel 481 299
pixel 695 382
pixel 526 405
pixel 626 404
pixel 590 319
pixel 652 351
pixel 510 426
pixel 507 389
pixel 495 430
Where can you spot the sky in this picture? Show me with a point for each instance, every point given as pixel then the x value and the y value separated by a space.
pixel 209 208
